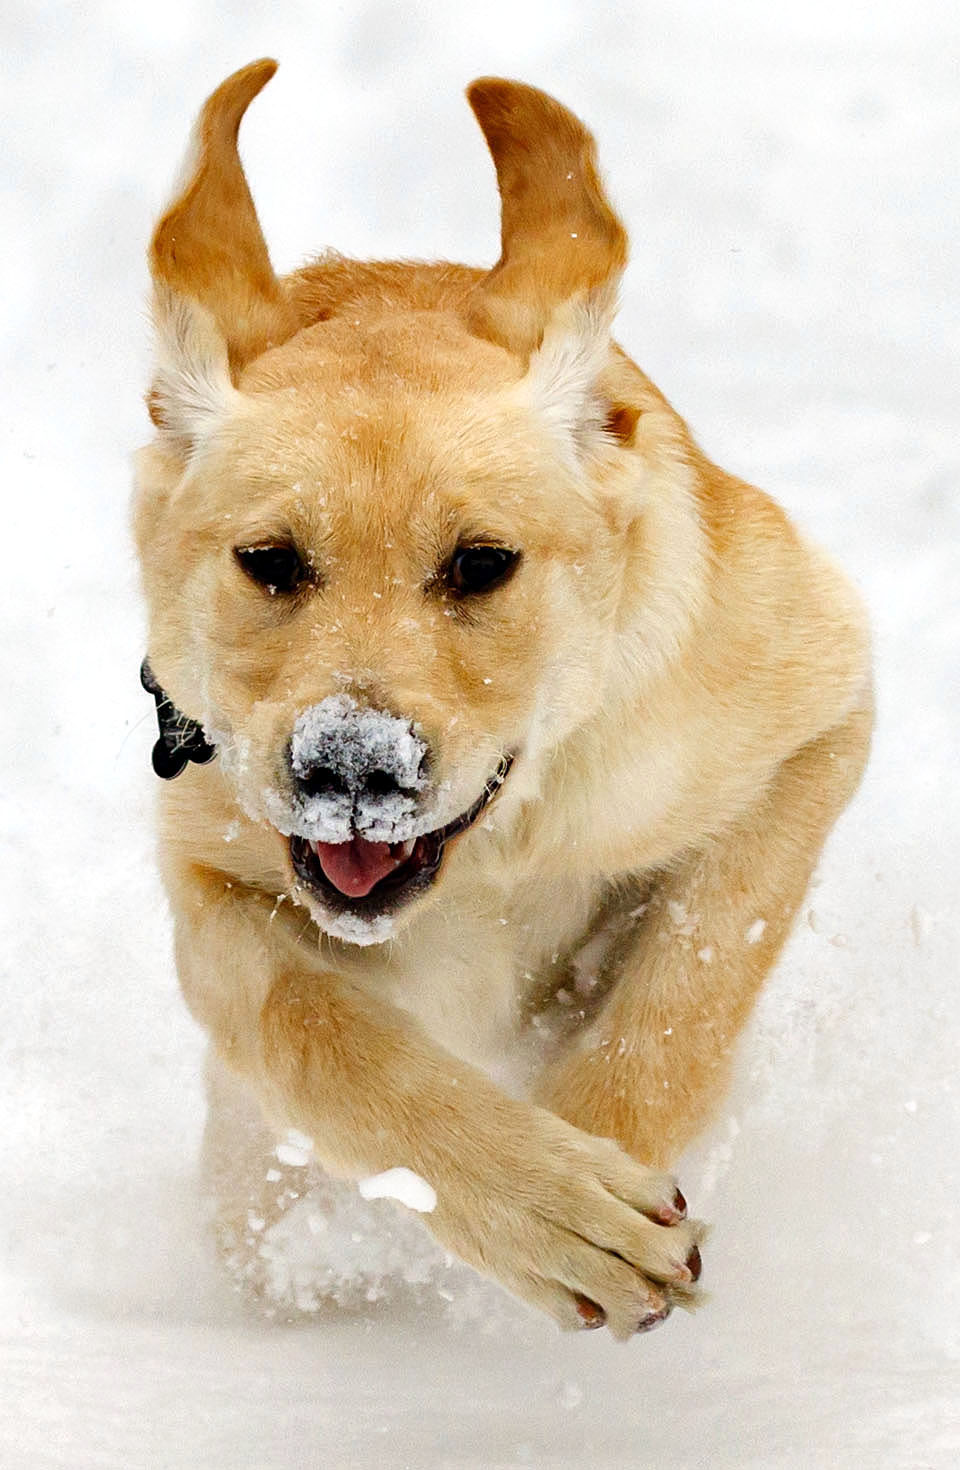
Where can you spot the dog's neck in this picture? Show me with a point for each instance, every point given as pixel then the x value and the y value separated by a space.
pixel 182 740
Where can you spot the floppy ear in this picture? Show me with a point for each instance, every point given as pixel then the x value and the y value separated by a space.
pixel 551 297
pixel 217 302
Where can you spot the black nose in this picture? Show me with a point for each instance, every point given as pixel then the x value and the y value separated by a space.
pixel 353 755
pixel 323 780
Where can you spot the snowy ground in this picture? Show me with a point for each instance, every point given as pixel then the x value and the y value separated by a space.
pixel 789 176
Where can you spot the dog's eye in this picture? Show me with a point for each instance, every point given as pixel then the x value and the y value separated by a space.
pixel 480 568
pixel 277 568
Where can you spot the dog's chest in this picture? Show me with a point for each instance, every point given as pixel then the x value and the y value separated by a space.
pixel 478 975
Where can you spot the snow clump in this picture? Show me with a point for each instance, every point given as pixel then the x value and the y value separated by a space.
pixel 401 1184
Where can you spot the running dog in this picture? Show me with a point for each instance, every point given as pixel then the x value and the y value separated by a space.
pixel 507 728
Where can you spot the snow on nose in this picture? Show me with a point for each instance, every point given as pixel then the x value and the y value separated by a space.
pixel 358 771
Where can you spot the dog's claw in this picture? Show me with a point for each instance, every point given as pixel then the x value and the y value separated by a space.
pixel 670 1214
pixel 647 1324
pixel 591 1314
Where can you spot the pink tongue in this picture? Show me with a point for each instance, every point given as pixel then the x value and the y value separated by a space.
pixel 356 866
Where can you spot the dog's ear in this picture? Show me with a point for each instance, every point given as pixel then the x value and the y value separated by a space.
pixel 559 235
pixel 217 303
pixel 551 297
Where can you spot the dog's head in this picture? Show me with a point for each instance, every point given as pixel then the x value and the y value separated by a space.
pixel 383 524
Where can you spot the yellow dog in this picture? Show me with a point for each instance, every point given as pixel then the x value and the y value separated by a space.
pixel 515 726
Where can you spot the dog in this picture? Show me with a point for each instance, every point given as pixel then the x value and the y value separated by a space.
pixel 507 728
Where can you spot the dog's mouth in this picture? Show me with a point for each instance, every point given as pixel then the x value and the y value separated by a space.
pixel 371 879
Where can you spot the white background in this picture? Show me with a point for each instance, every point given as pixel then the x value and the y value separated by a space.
pixel 789 177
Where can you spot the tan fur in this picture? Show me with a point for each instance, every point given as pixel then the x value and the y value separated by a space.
pixel 685 677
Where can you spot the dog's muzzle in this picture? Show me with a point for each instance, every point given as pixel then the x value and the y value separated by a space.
pixel 363 807
pixel 360 780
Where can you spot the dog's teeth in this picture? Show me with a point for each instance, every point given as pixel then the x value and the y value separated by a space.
pixel 408 846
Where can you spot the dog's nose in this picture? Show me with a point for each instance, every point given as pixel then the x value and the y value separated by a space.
pixel 324 780
pixel 355 756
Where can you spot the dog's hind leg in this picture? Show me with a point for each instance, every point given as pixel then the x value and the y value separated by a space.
pixel 247 1186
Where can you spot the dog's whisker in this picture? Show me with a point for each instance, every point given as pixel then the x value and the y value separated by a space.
pixel 143 720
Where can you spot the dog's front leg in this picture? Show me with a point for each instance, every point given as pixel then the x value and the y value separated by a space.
pixel 561 1219
pixel 651 1066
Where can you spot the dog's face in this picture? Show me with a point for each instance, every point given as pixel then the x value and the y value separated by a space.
pixel 383 560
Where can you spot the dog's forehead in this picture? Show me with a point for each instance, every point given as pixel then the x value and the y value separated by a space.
pixel 400 416
pixel 374 347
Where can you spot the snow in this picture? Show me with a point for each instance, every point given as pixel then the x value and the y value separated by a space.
pixel 356 928
pixel 788 176
pixel 336 1247
pixel 400 1184
pixel 295 1149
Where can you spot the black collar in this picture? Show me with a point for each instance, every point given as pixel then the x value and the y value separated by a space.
pixel 181 739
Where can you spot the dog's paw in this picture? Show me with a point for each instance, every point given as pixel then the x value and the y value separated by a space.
pixel 574 1226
